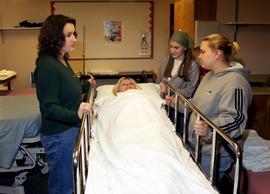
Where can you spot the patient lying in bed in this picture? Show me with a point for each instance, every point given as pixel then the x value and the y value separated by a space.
pixel 136 150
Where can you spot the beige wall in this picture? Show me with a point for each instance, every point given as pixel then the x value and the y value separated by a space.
pixel 18 51
pixel 18 48
pixel 254 40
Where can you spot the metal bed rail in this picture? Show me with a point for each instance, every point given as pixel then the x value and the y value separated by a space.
pixel 82 149
pixel 188 106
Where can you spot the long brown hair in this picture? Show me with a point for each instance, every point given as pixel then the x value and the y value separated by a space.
pixel 51 38
pixel 184 67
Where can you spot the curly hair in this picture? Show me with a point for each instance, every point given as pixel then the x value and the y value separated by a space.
pixel 115 89
pixel 51 38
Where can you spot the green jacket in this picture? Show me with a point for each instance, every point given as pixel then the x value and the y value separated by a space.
pixel 59 92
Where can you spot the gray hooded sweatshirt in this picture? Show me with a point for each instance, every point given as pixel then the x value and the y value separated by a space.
pixel 186 88
pixel 223 98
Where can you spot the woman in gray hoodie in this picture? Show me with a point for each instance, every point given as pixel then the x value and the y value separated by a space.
pixel 223 96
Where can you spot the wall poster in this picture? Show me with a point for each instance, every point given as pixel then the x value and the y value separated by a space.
pixel 110 29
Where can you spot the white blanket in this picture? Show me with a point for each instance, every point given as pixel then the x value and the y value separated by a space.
pixel 137 152
pixel 256 154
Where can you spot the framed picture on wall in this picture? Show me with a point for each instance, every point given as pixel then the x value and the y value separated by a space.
pixel 145 42
pixel 110 29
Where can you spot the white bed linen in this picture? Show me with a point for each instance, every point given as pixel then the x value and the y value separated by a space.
pixel 256 152
pixel 136 151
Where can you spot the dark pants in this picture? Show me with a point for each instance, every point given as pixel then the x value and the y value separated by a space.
pixel 180 119
pixel 59 150
pixel 224 164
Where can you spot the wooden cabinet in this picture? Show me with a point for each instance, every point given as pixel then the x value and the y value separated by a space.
pixel 259 115
pixel 184 16
pixel 187 11
pixel 206 10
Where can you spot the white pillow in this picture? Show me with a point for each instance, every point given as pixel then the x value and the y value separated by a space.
pixel 150 88
pixel 105 92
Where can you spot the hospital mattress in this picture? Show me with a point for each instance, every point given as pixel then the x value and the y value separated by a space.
pixel 19 118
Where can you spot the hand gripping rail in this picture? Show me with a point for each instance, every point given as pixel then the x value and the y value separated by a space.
pixel 82 149
pixel 216 130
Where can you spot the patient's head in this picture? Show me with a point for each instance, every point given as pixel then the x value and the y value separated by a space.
pixel 123 84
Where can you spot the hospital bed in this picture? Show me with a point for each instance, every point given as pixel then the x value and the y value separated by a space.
pixel 87 155
pixel 20 145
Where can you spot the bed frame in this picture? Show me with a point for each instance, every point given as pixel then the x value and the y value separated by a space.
pixel 179 98
pixel 82 148
pixel 30 154
pixel 31 151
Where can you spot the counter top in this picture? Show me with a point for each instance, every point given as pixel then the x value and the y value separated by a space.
pixel 261 90
pixel 260 84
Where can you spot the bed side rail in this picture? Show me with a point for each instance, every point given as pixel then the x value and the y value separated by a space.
pixel 82 149
pixel 188 106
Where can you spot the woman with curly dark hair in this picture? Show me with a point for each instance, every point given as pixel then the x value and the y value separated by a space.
pixel 59 92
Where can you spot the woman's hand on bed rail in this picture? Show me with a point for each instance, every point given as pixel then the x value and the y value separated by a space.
pixel 170 101
pixel 162 87
pixel 84 107
pixel 92 81
pixel 201 128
